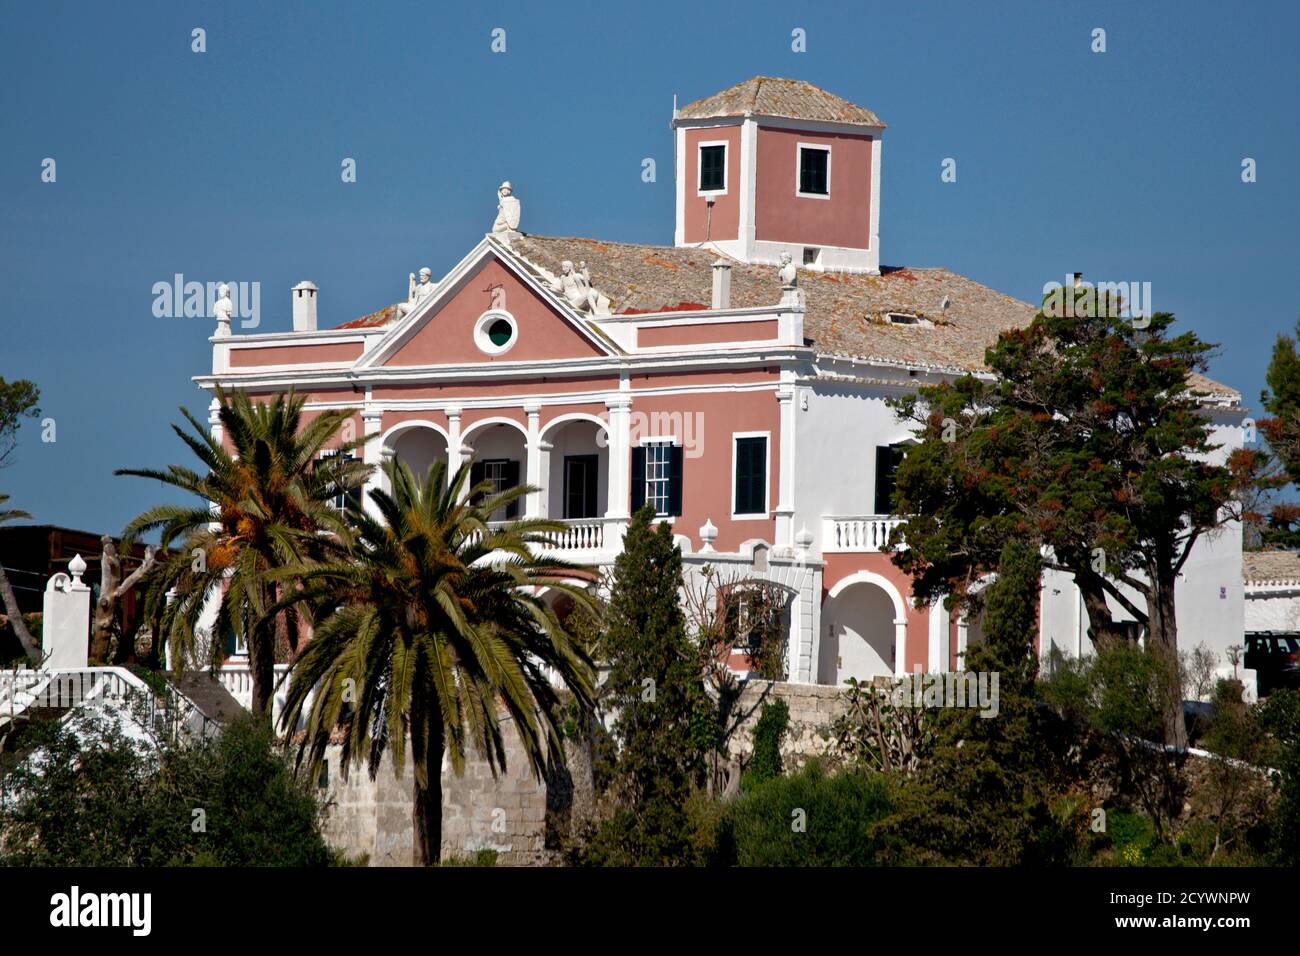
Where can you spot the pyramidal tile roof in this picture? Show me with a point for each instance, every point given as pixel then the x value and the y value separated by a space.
pixel 774 96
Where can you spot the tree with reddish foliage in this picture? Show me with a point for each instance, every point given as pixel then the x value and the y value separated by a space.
pixel 1089 442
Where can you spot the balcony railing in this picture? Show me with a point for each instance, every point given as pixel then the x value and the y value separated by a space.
pixel 166 712
pixel 857 533
pixel 582 534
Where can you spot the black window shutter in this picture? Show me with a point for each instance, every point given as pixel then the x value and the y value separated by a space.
pixel 476 474
pixel 512 481
pixel 884 479
pixel 676 454
pixel 638 479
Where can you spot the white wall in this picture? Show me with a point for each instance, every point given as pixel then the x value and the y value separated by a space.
pixel 835 451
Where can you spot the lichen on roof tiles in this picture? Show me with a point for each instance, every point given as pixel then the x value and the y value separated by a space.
pixel 776 96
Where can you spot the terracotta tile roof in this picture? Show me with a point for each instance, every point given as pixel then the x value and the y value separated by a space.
pixel 774 96
pixel 1270 567
pixel 374 320
pixel 847 313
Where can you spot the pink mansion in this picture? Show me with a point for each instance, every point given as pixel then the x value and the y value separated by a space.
pixel 737 380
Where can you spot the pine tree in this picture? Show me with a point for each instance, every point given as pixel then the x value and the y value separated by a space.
pixel 657 690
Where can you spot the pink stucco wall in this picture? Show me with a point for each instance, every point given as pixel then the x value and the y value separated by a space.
pixel 448 336
pixel 706 470
pixel 782 216
pixel 703 333
pixel 344 353
pixel 725 222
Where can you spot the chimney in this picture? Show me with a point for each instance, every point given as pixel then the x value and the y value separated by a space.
pixel 304 306
pixel 721 284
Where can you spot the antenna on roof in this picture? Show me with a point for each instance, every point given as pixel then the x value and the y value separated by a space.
pixel 674 106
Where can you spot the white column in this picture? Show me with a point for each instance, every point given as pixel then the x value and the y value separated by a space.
pixel 620 456
pixel 371 426
pixel 457 455
pixel 784 511
pixel 534 506
pixel 900 647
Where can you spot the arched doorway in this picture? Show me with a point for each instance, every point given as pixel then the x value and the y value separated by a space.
pixel 419 446
pixel 577 475
pixel 499 455
pixel 863 626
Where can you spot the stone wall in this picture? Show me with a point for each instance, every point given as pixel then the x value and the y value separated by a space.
pixel 812 710
pixel 514 815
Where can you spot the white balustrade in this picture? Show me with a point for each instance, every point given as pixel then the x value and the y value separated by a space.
pixel 867 533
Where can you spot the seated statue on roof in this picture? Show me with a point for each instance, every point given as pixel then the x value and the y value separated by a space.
pixel 507 222
pixel 416 292
pixel 575 287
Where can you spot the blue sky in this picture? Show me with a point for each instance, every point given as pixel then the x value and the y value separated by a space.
pixel 1124 165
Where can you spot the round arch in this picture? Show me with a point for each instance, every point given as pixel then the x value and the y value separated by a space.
pixel 387 439
pixel 483 423
pixel 555 424
pixel 895 599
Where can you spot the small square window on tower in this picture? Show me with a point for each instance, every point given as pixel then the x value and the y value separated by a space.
pixel 713 167
pixel 810 254
pixel 814 171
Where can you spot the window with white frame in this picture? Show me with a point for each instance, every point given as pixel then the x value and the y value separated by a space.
pixel 658 475
pixel 339 501
pixel 814 171
pixel 749 475
pixel 713 167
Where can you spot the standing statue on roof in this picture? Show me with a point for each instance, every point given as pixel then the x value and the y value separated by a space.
pixel 507 222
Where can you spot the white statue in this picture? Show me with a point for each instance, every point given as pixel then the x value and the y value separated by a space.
pixel 415 292
pixel 791 294
pixel 789 274
pixel 223 308
pixel 507 221
pixel 576 289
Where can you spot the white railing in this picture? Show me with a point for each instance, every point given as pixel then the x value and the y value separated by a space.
pixel 579 534
pixel 237 678
pixel 169 712
pixel 857 532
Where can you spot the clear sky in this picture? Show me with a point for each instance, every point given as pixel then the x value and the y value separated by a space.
pixel 1125 165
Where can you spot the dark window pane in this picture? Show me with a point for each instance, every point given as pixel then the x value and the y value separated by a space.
pixel 751 475
pixel 713 172
pixel 887 460
pixel 813 165
pixel 500 332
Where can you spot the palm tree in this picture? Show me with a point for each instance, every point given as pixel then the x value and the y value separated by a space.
pixel 439 627
pixel 266 502
pixel 16 621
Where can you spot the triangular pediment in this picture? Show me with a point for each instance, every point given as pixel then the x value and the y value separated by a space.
pixel 466 320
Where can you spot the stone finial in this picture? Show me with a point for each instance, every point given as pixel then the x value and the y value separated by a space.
pixel 76 567
pixel 803 540
pixel 708 535
pixel 506 225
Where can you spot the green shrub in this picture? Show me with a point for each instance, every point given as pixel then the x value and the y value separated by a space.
pixel 769 732
pixel 94 797
pixel 810 818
